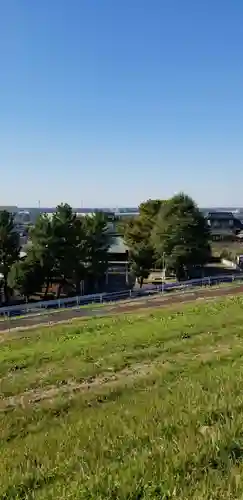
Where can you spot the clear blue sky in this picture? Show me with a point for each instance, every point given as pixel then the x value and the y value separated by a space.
pixel 110 102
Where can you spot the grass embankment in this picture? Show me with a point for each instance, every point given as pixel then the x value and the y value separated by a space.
pixel 109 306
pixel 139 407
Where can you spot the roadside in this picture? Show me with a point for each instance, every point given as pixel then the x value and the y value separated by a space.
pixel 108 310
pixel 151 293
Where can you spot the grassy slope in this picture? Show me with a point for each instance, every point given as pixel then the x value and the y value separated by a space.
pixel 140 407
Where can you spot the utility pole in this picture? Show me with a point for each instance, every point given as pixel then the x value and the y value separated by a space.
pixel 163 271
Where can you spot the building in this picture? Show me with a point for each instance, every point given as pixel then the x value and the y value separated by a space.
pixel 223 225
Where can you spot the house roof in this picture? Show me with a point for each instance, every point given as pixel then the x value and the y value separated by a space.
pixel 220 215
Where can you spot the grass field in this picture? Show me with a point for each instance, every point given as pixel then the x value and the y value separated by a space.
pixel 148 406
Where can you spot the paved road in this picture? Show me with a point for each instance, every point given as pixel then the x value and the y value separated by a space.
pixel 132 306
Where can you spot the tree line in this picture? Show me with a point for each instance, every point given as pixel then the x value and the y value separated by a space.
pixel 64 249
pixel 169 233
pixel 67 249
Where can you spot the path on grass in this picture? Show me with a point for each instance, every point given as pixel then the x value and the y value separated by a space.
pixel 66 315
pixel 113 379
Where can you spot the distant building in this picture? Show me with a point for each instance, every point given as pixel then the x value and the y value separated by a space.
pixel 223 225
pixel 9 208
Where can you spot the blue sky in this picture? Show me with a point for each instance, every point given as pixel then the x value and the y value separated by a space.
pixel 110 102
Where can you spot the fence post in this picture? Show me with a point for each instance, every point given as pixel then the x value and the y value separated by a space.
pixel 59 303
pixel 130 293
pixel 209 281
pixel 101 298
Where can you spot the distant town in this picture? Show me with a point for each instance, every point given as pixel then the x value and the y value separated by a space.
pixel 223 221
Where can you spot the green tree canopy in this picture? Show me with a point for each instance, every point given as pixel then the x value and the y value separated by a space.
pixel 148 210
pixel 45 247
pixel 64 230
pixel 137 235
pixel 9 247
pixel 98 242
pixel 181 235
pixel 59 244
pixel 71 248
pixel 26 276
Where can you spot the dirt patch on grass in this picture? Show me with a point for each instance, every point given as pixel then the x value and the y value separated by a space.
pixel 111 379
pixel 71 387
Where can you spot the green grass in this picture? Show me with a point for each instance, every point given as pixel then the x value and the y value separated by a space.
pixel 148 406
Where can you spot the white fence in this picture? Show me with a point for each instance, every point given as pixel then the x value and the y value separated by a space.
pixel 37 307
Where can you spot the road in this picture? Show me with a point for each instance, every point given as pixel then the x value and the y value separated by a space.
pixel 135 305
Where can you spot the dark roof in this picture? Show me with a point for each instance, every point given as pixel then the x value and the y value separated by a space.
pixel 220 215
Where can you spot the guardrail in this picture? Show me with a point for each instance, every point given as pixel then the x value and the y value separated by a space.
pixel 100 298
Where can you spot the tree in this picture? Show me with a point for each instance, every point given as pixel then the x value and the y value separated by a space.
pixel 54 243
pixel 64 227
pixel 26 276
pixel 9 248
pixel 181 235
pixel 57 244
pixel 45 247
pixel 123 223
pixel 69 249
pixel 98 243
pixel 140 250
pixel 148 211
pixel 141 258
pixel 137 235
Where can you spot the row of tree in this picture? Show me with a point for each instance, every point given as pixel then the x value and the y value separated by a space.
pixel 171 233
pixel 64 249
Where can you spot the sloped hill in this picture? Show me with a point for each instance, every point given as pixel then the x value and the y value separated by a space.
pixel 131 407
